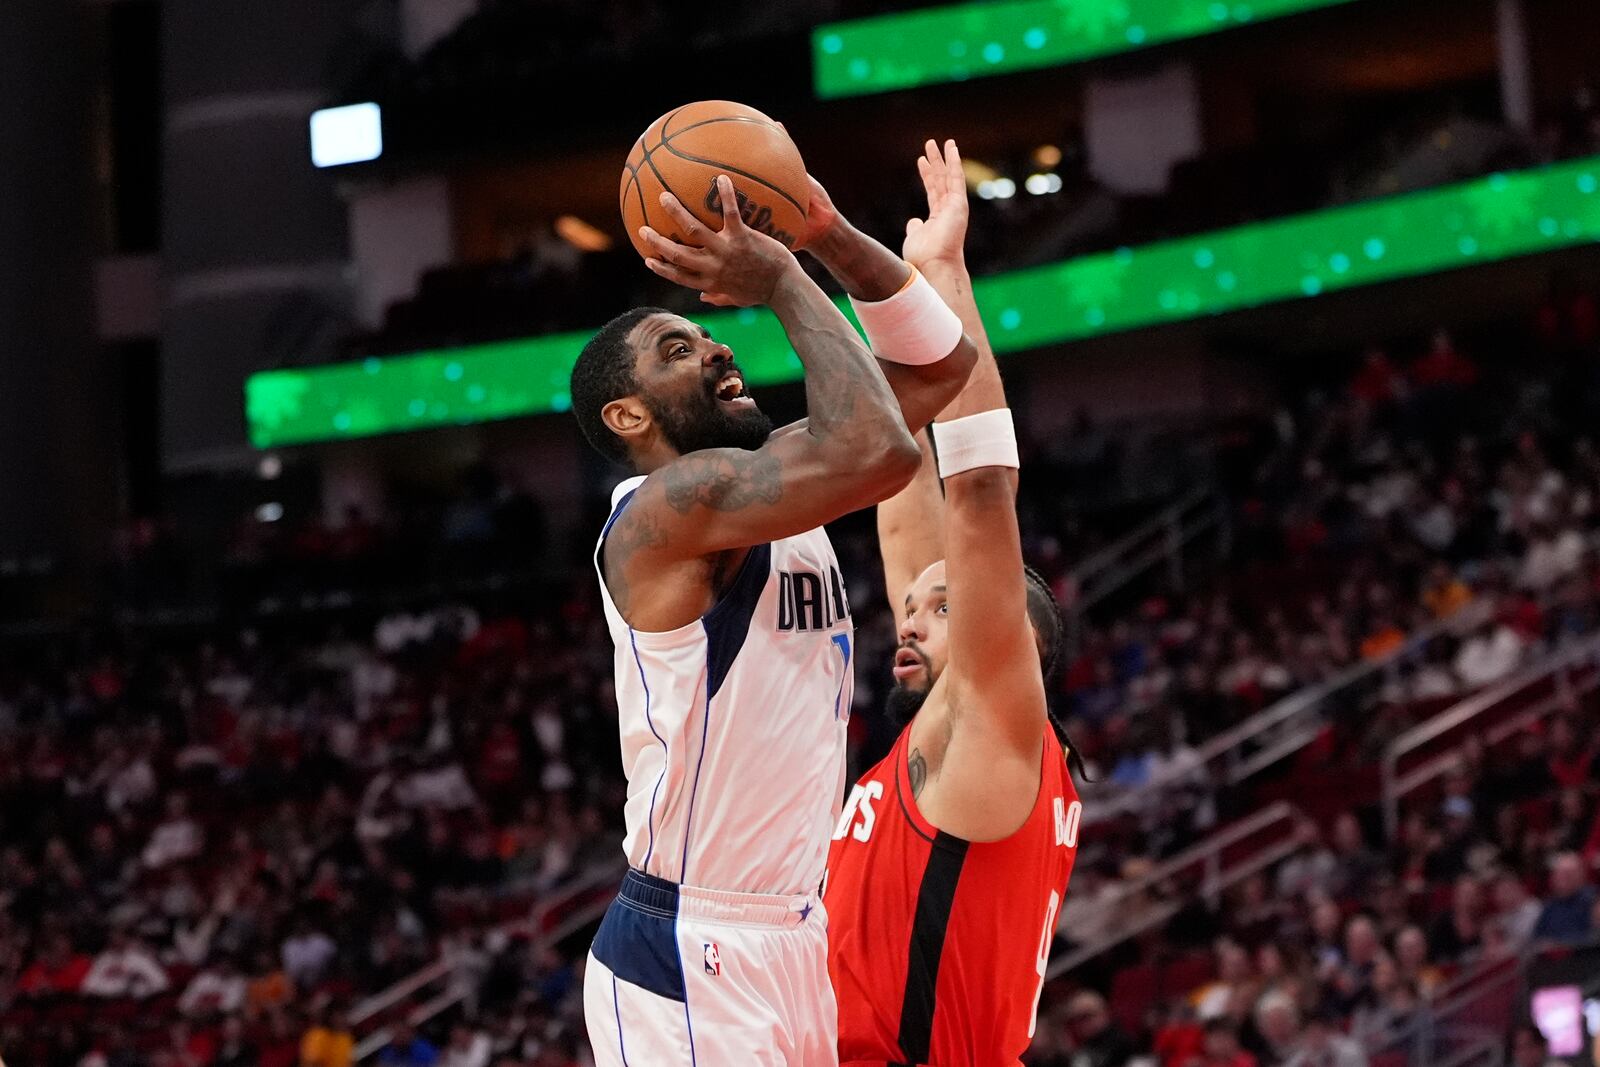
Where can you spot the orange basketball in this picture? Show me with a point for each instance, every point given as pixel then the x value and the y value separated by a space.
pixel 683 152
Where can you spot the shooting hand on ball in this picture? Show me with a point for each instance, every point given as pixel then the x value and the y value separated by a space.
pixel 732 267
pixel 940 239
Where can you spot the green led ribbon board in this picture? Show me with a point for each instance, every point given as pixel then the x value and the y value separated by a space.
pixel 976 40
pixel 1480 221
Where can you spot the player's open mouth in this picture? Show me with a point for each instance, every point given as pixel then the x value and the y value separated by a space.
pixel 730 390
pixel 907 664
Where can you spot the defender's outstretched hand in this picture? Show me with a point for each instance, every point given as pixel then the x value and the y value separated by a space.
pixel 941 238
pixel 820 214
pixel 734 266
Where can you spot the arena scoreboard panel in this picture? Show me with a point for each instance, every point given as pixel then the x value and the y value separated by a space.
pixel 1480 221
pixel 976 40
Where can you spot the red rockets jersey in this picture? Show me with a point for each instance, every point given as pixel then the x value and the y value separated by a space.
pixel 937 946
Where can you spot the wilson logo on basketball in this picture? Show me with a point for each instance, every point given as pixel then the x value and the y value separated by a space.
pixel 756 216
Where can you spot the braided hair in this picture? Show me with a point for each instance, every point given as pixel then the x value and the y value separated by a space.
pixel 1045 614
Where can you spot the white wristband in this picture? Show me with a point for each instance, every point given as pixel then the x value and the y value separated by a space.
pixel 987 439
pixel 914 326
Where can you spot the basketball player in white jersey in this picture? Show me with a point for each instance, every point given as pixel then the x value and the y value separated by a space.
pixel 732 628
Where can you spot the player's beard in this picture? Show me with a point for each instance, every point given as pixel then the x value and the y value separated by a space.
pixel 903 703
pixel 703 422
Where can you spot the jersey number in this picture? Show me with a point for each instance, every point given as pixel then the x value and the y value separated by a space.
pixel 1043 962
pixel 843 643
pixel 861 798
pixel 1068 817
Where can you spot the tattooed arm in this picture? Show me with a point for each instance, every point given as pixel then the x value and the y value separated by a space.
pixel 851 452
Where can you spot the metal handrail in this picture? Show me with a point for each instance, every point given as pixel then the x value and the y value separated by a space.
pixel 594 878
pixel 385 999
pixel 444 968
pixel 1455 1013
pixel 1217 879
pixel 1160 538
pixel 1560 666
pixel 374 1041
pixel 1103 557
pixel 1229 746
pixel 1457 998
pixel 1485 1052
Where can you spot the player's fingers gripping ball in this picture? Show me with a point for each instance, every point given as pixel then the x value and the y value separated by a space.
pixel 682 153
pixel 733 266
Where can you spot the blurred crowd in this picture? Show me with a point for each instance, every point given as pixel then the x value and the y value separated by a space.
pixel 215 850
pixel 1417 493
pixel 1331 957
pixel 218 848
pixel 1368 519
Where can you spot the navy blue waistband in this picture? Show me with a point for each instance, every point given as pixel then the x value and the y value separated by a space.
pixel 648 891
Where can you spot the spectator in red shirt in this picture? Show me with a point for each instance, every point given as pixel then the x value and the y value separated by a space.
pixel 500 760
pixel 1179 1040
pixel 1379 381
pixel 1570 830
pixel 1221 1047
pixel 1568 320
pixel 1523 614
pixel 1591 847
pixel 106 681
pixel 189 1047
pixel 279 1041
pixel 553 1055
pixel 1443 366
pixel 1570 759
pixel 57 971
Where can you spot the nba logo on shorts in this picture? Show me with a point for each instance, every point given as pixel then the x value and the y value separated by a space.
pixel 713 959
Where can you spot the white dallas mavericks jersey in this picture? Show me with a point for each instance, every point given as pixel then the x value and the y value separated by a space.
pixel 733 726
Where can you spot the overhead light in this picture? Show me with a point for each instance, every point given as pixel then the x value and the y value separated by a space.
pixel 977 173
pixel 269 467
pixel 581 235
pixel 1004 188
pixel 269 512
pixel 986 190
pixel 350 134
pixel 1041 184
pixel 1047 155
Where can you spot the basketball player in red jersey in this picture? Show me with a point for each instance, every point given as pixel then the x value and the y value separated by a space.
pixel 951 857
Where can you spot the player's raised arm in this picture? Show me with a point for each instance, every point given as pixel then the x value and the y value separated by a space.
pixel 851 451
pixel 911 523
pixel 994 657
pixel 911 529
pixel 924 360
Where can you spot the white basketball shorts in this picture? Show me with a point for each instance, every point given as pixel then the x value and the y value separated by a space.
pixel 686 977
